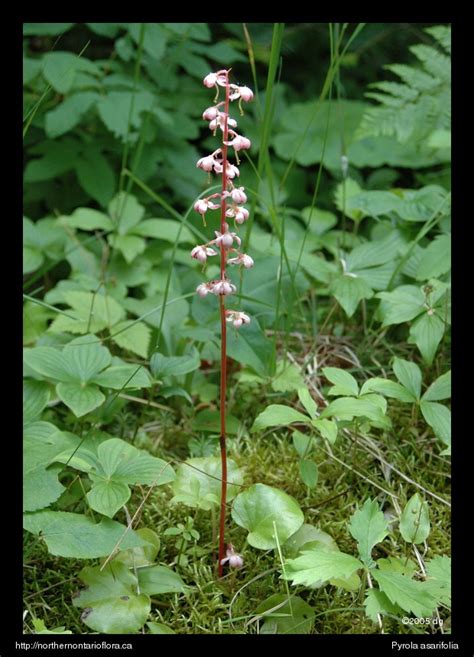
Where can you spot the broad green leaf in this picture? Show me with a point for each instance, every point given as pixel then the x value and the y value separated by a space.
pixel 40 628
pixel 110 601
pixel 96 176
pixel 281 615
pixel 319 564
pixel 415 520
pixel 60 69
pixel 81 398
pixel 162 366
pixel 388 389
pixel 198 482
pixel 308 402
pixel 402 565
pixel 156 580
pixel 86 357
pixel 438 570
pixel 401 305
pixel 94 312
pixel 130 245
pixel 426 333
pixel 45 29
pixel 436 259
pixel 307 537
pixel 344 383
pixel 159 628
pixel 320 220
pixel 124 376
pixel 210 421
pixel 439 419
pixel 123 462
pixel 77 536
pixel 164 229
pixel 409 594
pixel 287 377
pixel 250 346
pixel 32 259
pixel 368 526
pixel 116 107
pixel 308 473
pixel 49 362
pixel 302 443
pixel 36 395
pixel 261 510
pixel 376 603
pixel 327 428
pixel 141 556
pixel 69 113
pixel 154 38
pixel 132 336
pixel 409 375
pixel 369 406
pixel 108 496
pixel 349 290
pixel 276 415
pixel 439 389
pixel 125 211
pixel 344 193
pixel 88 219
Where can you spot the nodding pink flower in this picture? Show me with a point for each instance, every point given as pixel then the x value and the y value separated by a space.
pixel 210 113
pixel 241 215
pixel 232 171
pixel 246 93
pixel 219 120
pixel 204 204
pixel 210 80
pixel 230 212
pixel 232 558
pixel 226 239
pixel 201 253
pixel 242 259
pixel 223 287
pixel 203 289
pixel 239 143
pixel 218 168
pixel 238 195
pixel 206 163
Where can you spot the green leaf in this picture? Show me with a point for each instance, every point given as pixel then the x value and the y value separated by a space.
pixel 439 419
pixel 302 443
pixel 69 113
pixel 388 389
pixel 198 482
pixel 401 305
pixel 132 336
pixel 86 357
pixel 426 333
pixel 32 259
pixel 438 570
pixel 141 556
pixel 45 29
pixel 94 313
pixel 159 628
pixel 121 461
pixel 250 346
pixel 287 377
pixel 370 406
pixel 308 402
pixel 277 414
pixel 81 398
pixel 164 229
pixel 349 290
pixel 88 219
pixel 319 564
pixel 60 69
pixel 36 395
pixel 162 366
pixel 409 375
pixel 210 421
pixel 129 245
pixel 415 520
pixel 327 428
pixel 436 259
pixel 116 107
pixel 262 510
pixel 412 596
pixel 376 603
pixel 285 616
pixel 48 362
pixel 439 389
pixel 110 601
pixel 156 580
pixel 96 176
pixel 307 537
pixel 107 497
pixel 154 38
pixel 344 383
pixel 120 377
pixel 308 473
pixel 368 526
pixel 76 536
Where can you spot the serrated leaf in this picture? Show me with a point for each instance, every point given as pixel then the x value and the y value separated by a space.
pixel 262 510
pixel 69 113
pixel 110 600
pixel 438 570
pixel 415 520
pixel 376 603
pixel 344 382
pixel 287 377
pixel 411 595
pixel 276 415
pixel 94 312
pixel 133 336
pixel 368 526
pixel 319 564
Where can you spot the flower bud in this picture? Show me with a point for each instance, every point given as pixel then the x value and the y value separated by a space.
pixel 203 289
pixel 247 261
pixel 206 163
pixel 246 93
pixel 210 80
pixel 210 114
pixel 199 253
pixel 241 215
pixel 238 195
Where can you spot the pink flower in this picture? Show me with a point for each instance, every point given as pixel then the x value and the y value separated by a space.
pixel 206 163
pixel 246 93
pixel 241 215
pixel 223 287
pixel 210 80
pixel 200 206
pixel 220 121
pixel 232 171
pixel 218 168
pixel 210 113
pixel 242 259
pixel 232 558
pixel 226 239
pixel 239 143
pixel 203 289
pixel 201 253
pixel 238 195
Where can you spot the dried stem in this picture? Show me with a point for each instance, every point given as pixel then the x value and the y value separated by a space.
pixel 223 340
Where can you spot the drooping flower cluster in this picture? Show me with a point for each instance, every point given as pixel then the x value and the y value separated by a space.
pixel 230 201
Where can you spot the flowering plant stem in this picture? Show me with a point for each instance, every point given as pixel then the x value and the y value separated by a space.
pixel 223 386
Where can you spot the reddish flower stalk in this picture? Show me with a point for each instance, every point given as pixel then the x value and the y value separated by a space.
pixel 218 162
